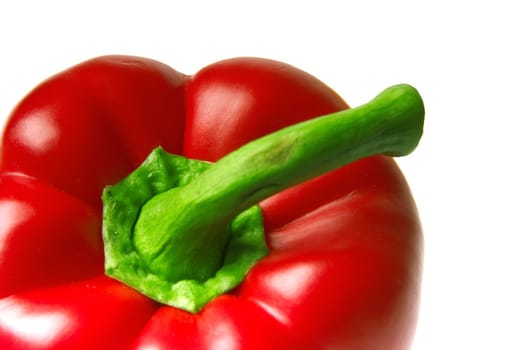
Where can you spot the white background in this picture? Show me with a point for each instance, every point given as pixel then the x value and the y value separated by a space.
pixel 465 57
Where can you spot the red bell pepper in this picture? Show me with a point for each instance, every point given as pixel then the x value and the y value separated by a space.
pixel 339 263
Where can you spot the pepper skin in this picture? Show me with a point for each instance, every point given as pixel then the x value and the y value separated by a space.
pixel 345 257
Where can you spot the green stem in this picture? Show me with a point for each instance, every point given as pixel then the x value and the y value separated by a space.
pixel 181 233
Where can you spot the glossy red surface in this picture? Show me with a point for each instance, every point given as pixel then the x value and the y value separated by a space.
pixel 345 261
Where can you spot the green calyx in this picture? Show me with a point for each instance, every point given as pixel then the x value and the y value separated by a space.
pixel 184 231
pixel 243 242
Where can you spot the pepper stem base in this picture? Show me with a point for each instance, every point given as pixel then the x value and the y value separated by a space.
pixel 161 171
